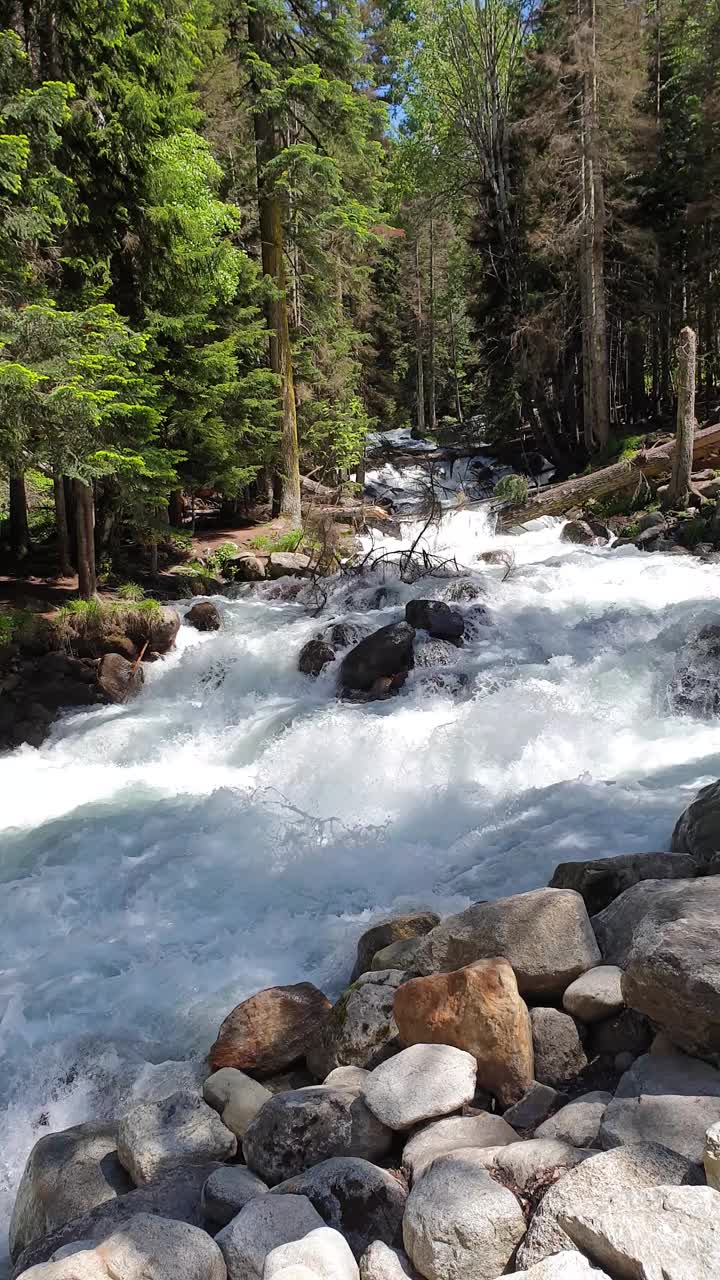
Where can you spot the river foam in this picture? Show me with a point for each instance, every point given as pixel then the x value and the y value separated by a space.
pixel 237 826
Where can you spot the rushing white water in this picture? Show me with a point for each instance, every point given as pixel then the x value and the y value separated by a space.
pixel 237 826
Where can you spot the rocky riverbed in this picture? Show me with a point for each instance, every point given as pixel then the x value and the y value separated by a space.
pixel 519 1088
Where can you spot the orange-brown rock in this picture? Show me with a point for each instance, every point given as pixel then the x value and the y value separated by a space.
pixel 479 1009
pixel 271 1030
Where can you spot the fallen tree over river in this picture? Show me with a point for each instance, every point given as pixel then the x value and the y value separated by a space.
pixel 649 464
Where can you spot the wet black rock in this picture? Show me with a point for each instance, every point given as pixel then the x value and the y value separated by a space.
pixel 385 656
pixel 437 618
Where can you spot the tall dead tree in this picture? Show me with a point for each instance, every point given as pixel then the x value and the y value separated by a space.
pixel 596 375
pixel 678 494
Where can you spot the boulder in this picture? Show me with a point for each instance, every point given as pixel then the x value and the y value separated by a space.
pixel 263 1225
pixel 315 656
pixel 595 995
pixel 307 1126
pixel 579 1122
pixel 437 618
pixel 534 1106
pixel 711 1156
pixel 283 564
pixel 436 653
pixel 567 1265
pixel 156 628
pixel 357 1198
pixel 536 1162
pixel 236 1096
pixel 399 955
pixel 155 1137
pixel 667 1098
pixel 668 1233
pixel 484 1130
pixel 175 1196
pixel 324 1253
pixel 459 1224
pixel 146 1248
pixel 559 1055
pixel 477 1008
pixel 227 1191
pixel 545 935
pixel 697 831
pixel 421 1083
pixel 385 932
pixel 596 1182
pixel 118 680
pixel 387 653
pixel 602 880
pixel 271 1030
pixel 360 1029
pixel 244 568
pixel 578 532
pixel 66 1174
pixel 666 936
pixel 347 1078
pixel 380 1262
pixel 204 616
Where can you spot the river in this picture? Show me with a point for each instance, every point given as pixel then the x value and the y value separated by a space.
pixel 237 826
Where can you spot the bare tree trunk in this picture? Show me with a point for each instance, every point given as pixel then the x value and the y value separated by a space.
pixel 273 260
pixel 678 494
pixel 61 526
pixel 19 529
pixel 431 334
pixel 420 334
pixel 456 377
pixel 596 389
pixel 85 526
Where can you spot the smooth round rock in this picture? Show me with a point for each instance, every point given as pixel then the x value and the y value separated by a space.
pixel 227 1191
pixel 443 1136
pixel 324 1252
pixel 422 1082
pixel 596 994
pixel 265 1223
pixel 299 1129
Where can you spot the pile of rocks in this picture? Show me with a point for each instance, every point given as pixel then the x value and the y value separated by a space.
pixel 526 1088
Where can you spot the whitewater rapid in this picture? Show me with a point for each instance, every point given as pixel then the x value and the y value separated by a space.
pixel 237 826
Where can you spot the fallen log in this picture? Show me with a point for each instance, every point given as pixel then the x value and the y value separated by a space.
pixel 652 464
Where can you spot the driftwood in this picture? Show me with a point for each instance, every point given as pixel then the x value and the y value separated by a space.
pixel 651 464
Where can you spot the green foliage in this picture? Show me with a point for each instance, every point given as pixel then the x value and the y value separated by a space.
pixel 130 591
pixel 513 490
pixel 267 543
pixel 221 556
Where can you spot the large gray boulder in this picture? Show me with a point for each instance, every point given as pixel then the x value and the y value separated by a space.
pixel 437 1139
pixel 303 1127
pixel 360 1029
pixel 596 1182
pixel 66 1174
pixel 385 932
pixel 421 1083
pixel 155 1137
pixel 357 1198
pixel 546 936
pixel 227 1191
pixel 601 880
pixel 665 1097
pixel 175 1196
pixel 697 831
pixel 282 564
pixel 579 1122
pixel 263 1225
pixel 668 1233
pixel 559 1055
pixel 459 1224
pixel 146 1248
pixel 324 1252
pixel 666 937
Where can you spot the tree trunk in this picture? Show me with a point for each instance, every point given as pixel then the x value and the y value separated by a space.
pixel 456 377
pixel 596 388
pixel 678 494
pixel 175 509
pixel 273 260
pixel 61 527
pixel 19 529
pixel 432 398
pixel 420 333
pixel 85 526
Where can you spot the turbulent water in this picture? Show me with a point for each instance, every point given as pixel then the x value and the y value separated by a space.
pixel 237 826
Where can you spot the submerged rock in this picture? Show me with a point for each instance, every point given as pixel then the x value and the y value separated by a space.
pixel 204 616
pixel 118 680
pixel 437 618
pixel 387 654
pixel 315 656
